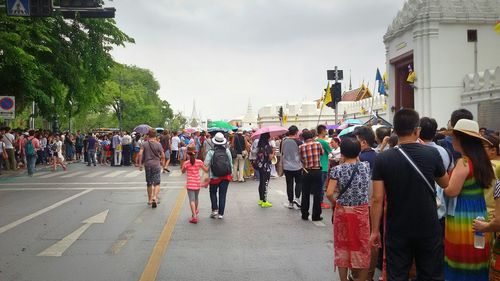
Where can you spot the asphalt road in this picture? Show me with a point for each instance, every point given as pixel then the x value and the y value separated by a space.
pixel 93 223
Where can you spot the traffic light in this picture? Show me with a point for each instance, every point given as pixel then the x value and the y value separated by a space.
pixel 41 8
pixel 80 3
pixel 336 92
pixel 97 13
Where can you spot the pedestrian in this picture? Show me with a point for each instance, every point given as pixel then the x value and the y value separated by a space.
pixel 9 140
pixel 412 225
pixel 116 145
pixel 153 155
pixel 90 148
pixel 472 174
pixel 42 156
pixel 175 145
pixel 126 149
pixel 366 138
pixel 193 181
pixel 264 154
pixel 79 145
pixel 58 157
pixel 325 162
pixel 351 234
pixel 165 143
pixel 219 161
pixel 239 146
pixel 31 145
pixel 292 166
pixel 3 153
pixel 310 153
pixel 382 135
pixel 182 153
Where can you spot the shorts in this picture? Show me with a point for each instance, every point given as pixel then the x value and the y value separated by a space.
pixel 193 195
pixel 167 154
pixel 153 175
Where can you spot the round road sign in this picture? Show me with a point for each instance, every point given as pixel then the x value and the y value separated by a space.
pixel 6 103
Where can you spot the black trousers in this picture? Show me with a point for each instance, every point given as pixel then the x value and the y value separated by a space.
pixel 173 157
pixel 264 177
pixel 290 177
pixel 428 254
pixel 311 185
pixel 126 154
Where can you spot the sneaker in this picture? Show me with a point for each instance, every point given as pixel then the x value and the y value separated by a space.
pixel 260 202
pixel 220 217
pixel 214 214
pixel 266 204
pixel 193 220
pixel 296 202
pixel 325 205
pixel 290 205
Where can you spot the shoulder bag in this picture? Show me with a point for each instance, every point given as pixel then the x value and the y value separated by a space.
pixel 344 188
pixel 432 190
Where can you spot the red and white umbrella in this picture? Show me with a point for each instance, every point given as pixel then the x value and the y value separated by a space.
pixel 274 131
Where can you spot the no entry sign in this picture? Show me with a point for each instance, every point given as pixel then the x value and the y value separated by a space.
pixel 7 107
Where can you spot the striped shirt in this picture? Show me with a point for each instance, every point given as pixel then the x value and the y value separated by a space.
pixel 193 174
pixel 311 152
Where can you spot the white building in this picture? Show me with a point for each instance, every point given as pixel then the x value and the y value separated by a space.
pixel 455 53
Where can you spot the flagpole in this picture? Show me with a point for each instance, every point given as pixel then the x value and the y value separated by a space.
pixel 321 109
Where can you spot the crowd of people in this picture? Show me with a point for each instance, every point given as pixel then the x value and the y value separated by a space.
pixel 415 201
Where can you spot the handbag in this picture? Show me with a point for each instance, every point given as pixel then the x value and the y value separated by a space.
pixel 433 192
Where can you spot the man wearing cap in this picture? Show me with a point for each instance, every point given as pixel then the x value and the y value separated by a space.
pixel 239 147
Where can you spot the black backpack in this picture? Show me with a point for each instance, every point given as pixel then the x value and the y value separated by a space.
pixel 220 164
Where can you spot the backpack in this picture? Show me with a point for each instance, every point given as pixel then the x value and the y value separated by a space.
pixel 444 144
pixel 220 164
pixel 29 148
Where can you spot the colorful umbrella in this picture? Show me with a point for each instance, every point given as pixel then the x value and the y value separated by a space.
pixel 347 131
pixel 274 131
pixel 221 125
pixel 190 130
pixel 159 129
pixel 142 129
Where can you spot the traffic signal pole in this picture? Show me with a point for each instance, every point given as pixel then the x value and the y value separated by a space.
pixel 336 105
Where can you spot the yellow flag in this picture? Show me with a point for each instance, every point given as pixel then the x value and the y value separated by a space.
pixel 328 95
pixel 411 77
pixel 285 119
pixel 497 27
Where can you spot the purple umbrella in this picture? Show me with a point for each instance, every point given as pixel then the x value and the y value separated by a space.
pixel 142 129
pixel 332 127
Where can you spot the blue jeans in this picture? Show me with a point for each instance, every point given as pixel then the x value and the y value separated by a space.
pixel 222 196
pixel 91 157
pixel 324 177
pixel 30 162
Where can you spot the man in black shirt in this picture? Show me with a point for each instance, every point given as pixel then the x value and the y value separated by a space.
pixel 412 223
pixel 239 146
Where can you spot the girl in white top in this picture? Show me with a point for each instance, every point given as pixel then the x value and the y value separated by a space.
pixel 58 158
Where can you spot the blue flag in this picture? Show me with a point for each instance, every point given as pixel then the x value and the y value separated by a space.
pixel 381 85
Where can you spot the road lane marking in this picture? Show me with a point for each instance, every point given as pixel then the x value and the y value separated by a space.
pixel 319 223
pixel 94 174
pixel 42 211
pixel 120 243
pixel 133 174
pixel 114 174
pixel 72 174
pixel 154 262
pixel 60 247
pixel 85 188
pixel 38 174
pixel 52 174
pixel 164 183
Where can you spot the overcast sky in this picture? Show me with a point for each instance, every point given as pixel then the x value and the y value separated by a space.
pixel 224 52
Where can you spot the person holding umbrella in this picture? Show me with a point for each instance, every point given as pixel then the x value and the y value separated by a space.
pixel 262 163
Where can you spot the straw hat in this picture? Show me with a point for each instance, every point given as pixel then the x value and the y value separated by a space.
pixel 219 139
pixel 470 128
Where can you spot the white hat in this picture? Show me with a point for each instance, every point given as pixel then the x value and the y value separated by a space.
pixel 219 139
pixel 470 128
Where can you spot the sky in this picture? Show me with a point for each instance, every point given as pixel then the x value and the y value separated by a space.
pixel 224 53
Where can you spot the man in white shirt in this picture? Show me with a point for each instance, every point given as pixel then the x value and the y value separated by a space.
pixel 175 148
pixel 127 149
pixel 8 140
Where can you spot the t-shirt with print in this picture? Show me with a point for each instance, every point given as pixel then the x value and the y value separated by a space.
pixel 357 192
pixel 411 208
pixel 193 174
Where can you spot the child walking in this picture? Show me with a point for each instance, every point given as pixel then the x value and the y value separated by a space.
pixel 193 183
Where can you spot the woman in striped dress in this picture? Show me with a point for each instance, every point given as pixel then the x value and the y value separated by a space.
pixel 472 174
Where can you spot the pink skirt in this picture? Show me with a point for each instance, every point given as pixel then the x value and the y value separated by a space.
pixel 351 236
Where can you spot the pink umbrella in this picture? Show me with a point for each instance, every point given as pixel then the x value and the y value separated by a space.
pixel 190 130
pixel 274 131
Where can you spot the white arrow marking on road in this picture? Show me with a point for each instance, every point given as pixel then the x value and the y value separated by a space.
pixel 42 211
pixel 60 247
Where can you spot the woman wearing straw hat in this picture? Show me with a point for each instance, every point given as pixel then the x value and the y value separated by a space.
pixel 472 174
pixel 219 161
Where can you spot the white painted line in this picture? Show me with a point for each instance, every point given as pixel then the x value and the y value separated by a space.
pixel 60 247
pixel 176 173
pixel 72 174
pixel 133 174
pixel 42 211
pixel 85 188
pixel 94 174
pixel 163 183
pixel 114 174
pixel 52 174
pixel 319 223
pixel 38 174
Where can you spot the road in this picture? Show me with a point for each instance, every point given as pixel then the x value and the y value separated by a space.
pixel 93 223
